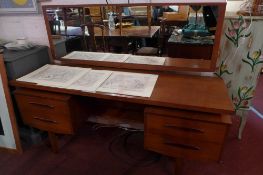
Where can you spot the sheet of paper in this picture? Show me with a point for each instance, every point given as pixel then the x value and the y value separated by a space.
pixel 93 56
pixel 90 81
pixel 28 77
pixel 145 60
pixel 116 58
pixel 97 56
pixel 135 84
pixel 54 75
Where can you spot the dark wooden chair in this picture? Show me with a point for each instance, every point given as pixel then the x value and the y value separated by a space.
pixel 55 27
pixel 90 42
pixel 122 44
pixel 73 19
pixel 155 51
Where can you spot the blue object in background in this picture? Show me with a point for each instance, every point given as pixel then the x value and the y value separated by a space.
pixel 126 11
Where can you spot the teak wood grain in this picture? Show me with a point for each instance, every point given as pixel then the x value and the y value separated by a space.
pixel 185 134
pixel 55 113
pixel 185 128
pixel 205 94
pixel 170 64
pixel 46 113
pixel 190 115
pixel 182 148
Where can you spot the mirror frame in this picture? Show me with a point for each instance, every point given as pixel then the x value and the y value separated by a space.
pixel 178 64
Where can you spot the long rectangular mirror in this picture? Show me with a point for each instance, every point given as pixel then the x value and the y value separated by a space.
pixel 188 34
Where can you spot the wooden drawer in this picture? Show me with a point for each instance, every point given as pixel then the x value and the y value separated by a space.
pixel 182 148
pixel 186 134
pixel 185 128
pixel 48 112
pixel 43 105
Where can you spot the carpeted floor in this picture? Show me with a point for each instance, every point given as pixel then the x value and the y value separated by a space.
pixel 258 100
pixel 97 153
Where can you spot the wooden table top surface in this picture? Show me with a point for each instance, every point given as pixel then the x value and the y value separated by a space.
pixel 188 92
pixel 133 31
pixel 170 64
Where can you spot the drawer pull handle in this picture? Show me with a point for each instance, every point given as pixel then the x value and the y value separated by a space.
pixel 39 104
pixel 185 146
pixel 184 128
pixel 45 120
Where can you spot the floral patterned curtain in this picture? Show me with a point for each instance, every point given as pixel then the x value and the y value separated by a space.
pixel 241 61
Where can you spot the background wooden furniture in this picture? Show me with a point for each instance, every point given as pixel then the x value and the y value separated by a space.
pixel 71 18
pixel 257 7
pixel 155 51
pixel 189 50
pixel 95 13
pixel 127 37
pixel 181 15
pixel 134 31
pixel 91 27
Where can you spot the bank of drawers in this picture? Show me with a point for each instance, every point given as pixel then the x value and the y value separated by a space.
pixel 185 134
pixel 46 111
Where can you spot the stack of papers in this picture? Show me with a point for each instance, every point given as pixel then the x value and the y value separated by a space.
pixel 54 75
pixel 88 80
pixel 116 58
pixel 110 57
pixel 135 84
pixel 96 56
pixel 145 60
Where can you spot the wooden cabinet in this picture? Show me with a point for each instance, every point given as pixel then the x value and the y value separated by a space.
pixel 189 51
pixel 52 112
pixel 185 134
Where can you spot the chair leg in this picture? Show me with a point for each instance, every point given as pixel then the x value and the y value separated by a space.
pixel 242 124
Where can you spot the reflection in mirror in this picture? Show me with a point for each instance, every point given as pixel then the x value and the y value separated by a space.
pixel 175 31
pixel 196 38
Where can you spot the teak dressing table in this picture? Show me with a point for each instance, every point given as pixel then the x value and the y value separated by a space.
pixel 179 120
pixel 187 116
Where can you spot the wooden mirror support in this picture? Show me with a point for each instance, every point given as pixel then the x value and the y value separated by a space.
pixel 171 64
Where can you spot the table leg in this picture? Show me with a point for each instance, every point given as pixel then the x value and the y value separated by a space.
pixel 53 141
pixel 178 166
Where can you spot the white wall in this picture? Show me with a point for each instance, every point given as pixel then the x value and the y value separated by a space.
pixel 33 26
pixel 233 6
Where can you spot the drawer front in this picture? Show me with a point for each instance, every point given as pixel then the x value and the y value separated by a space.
pixel 43 105
pixel 182 148
pixel 185 128
pixel 45 114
